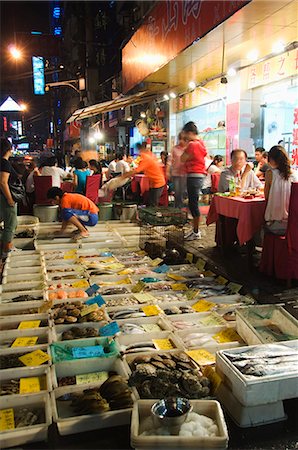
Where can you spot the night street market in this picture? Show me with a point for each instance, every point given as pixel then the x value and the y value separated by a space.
pixel 148 225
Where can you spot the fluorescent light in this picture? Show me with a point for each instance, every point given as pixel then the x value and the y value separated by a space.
pixel 231 72
pixel 143 115
pixel 129 119
pixel 278 47
pixel 166 97
pixel 253 55
pixel 192 85
pixel 173 95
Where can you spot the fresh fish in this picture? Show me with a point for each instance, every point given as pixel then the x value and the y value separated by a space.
pixel 265 370
pixel 264 351
pixel 148 344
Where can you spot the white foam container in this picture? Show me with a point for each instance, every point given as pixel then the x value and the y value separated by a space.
pixel 20 287
pixel 6 298
pixel 212 344
pixel 57 330
pixel 34 433
pixel 89 342
pixel 193 318
pixel 27 221
pixel 250 416
pixel 12 309
pixel 24 270
pixel 112 301
pixel 12 323
pixel 90 365
pixel 158 320
pixel 209 408
pixel 23 278
pixel 67 281
pixel 252 391
pixel 19 352
pixel 43 334
pixel 132 308
pixel 25 258
pixel 23 243
pixel 110 280
pixel 16 374
pixel 41 246
pixel 128 339
pixel 246 325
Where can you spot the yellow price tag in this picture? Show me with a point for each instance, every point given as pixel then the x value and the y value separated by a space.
pixel 215 379
pixel 234 287
pixel 6 419
pixel 201 356
pixel 203 306
pixel 143 297
pixel 24 341
pixel 208 273
pixel 70 254
pixel 227 335
pixel 29 385
pixel 179 287
pixel 163 344
pixel 192 293
pixel 138 287
pixel 92 377
pixel 126 272
pixel 221 280
pixel 151 328
pixel 115 266
pixel 80 284
pixel 200 264
pixel 151 310
pixel 213 320
pixel 29 324
pixel 175 277
pixel 89 309
pixel 35 358
pixel 189 257
pixel 155 262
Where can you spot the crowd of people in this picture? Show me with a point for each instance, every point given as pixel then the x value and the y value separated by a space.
pixel 188 169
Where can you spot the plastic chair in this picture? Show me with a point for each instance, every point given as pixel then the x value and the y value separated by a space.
pixel 280 253
pixel 92 186
pixel 42 184
pixel 214 182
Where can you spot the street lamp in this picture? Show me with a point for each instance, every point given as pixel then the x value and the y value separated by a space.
pixel 15 52
pixel 23 106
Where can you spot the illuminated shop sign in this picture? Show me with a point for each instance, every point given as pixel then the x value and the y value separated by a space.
pixel 38 75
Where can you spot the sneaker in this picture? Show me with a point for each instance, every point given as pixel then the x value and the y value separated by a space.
pixel 193 236
pixel 189 233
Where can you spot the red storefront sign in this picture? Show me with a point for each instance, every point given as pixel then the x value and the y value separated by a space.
pixel 295 138
pixel 170 28
pixel 232 129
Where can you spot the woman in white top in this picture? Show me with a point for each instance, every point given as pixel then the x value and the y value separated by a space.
pixel 215 166
pixel 277 191
pixel 122 165
pixel 55 172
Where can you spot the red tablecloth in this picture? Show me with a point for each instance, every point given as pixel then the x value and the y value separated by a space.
pixel 250 214
pixel 143 182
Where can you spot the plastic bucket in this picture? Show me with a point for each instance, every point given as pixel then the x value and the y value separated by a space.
pixel 105 212
pixel 46 213
pixel 129 212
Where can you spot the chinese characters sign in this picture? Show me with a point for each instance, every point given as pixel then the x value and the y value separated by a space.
pixel 170 28
pixel 295 138
pixel 38 75
pixel 275 69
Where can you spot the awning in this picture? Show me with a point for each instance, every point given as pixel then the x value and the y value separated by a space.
pixel 113 105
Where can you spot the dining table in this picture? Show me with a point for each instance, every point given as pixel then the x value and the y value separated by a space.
pixel 236 218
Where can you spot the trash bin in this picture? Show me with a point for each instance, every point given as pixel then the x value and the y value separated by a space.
pixel 129 212
pixel 105 212
pixel 46 213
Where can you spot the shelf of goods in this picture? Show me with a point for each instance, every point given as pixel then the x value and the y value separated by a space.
pixel 92 321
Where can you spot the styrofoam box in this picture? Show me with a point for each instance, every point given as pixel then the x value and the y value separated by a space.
pixel 16 351
pixel 210 331
pixel 68 290
pixel 246 324
pixel 57 330
pixel 27 372
pixel 89 342
pixel 249 416
pixel 22 243
pixel 43 334
pixel 257 391
pixel 27 221
pixel 132 308
pixel 125 339
pixel 54 277
pixel 109 280
pixel 20 287
pixel 195 318
pixel 67 281
pixel 68 423
pixel 25 261
pixel 158 320
pixel 12 323
pixel 101 289
pixel 91 365
pixel 34 433
pixel 23 270
pixel 39 245
pixel 209 408
pixel 7 297
pixel 23 278
pixel 12 309
pixel 113 301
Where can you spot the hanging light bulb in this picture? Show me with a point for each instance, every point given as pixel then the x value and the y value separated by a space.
pixel 253 55
pixel 231 72
pixel 278 47
pixel 166 97
pixel 173 95
pixel 91 140
pixel 192 85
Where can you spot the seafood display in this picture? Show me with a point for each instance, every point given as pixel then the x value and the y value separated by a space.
pixel 127 313
pixel 124 301
pixel 12 360
pixel 61 294
pixel 26 298
pixel 183 309
pixel 266 360
pixel 28 233
pixel 169 297
pixel 132 328
pixel 113 394
pixel 167 375
pixel 113 291
pixel 12 387
pixel 24 417
pixel 71 313
pixel 79 333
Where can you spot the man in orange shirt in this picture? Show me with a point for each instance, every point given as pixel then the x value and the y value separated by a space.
pixel 76 209
pixel 150 166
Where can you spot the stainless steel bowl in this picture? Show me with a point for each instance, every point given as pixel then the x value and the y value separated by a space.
pixel 171 412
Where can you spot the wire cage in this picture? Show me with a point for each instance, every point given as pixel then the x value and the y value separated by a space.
pixel 161 229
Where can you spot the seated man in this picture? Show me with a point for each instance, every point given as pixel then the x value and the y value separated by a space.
pixel 76 209
pixel 263 166
pixel 238 169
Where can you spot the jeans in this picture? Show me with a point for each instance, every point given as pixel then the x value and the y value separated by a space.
pixel 154 195
pixel 180 189
pixel 9 216
pixel 194 186
pixel 85 217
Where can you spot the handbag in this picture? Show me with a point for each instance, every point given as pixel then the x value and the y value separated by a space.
pixel 17 190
